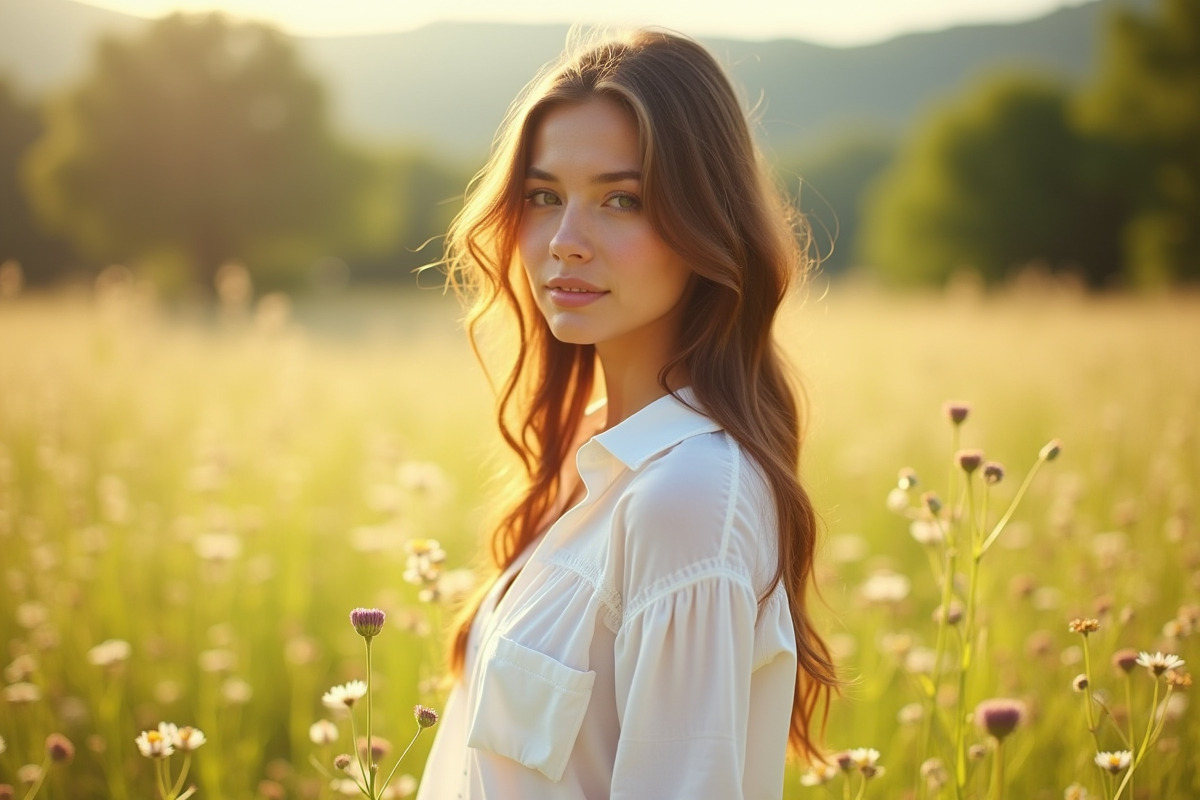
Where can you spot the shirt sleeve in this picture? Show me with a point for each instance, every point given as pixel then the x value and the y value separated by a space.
pixel 682 673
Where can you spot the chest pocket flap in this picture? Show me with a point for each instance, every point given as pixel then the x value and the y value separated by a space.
pixel 530 708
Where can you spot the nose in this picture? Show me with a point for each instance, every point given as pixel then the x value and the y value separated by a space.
pixel 571 240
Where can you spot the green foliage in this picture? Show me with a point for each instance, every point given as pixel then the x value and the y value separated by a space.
pixel 40 256
pixel 832 182
pixel 1148 97
pixel 201 137
pixel 996 182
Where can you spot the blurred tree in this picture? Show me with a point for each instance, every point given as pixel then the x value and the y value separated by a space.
pixel 830 185
pixel 202 139
pixel 997 182
pixel 1148 98
pixel 41 257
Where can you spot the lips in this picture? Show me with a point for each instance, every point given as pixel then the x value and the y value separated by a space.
pixel 567 292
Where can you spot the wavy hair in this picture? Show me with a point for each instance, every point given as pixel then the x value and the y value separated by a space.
pixel 707 193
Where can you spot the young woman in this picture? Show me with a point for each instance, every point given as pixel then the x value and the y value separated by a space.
pixel 646 633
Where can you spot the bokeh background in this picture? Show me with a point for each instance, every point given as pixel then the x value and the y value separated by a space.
pixel 231 400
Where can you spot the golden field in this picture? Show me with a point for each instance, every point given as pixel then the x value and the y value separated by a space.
pixel 219 490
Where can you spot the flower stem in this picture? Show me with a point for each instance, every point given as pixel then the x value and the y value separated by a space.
pixel 1151 724
pixel 1012 507
pixel 383 786
pixel 370 775
pixel 41 778
pixel 997 791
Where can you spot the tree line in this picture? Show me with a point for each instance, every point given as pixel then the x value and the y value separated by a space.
pixel 203 142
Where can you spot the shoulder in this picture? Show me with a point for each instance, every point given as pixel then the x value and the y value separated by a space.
pixel 701 507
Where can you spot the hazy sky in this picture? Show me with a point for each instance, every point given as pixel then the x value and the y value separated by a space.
pixel 826 21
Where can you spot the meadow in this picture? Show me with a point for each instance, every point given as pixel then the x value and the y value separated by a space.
pixel 191 505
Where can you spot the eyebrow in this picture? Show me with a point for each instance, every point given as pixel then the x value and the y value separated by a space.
pixel 603 177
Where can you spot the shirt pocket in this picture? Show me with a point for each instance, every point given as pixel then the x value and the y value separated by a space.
pixel 530 708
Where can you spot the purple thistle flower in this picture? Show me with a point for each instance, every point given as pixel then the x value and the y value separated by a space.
pixel 367 622
pixel 426 716
pixel 999 717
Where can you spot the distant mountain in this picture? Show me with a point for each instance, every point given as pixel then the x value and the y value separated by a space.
pixel 446 86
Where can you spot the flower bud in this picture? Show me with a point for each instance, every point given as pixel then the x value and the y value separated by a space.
pixel 969 460
pixel 999 717
pixel 367 622
pixel 59 748
pixel 426 717
pixel 956 411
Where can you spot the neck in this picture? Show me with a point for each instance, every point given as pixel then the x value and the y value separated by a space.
pixel 631 383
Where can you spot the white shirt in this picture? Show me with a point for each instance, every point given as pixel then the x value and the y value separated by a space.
pixel 629 657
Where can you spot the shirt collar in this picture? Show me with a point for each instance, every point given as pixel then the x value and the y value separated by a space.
pixel 655 429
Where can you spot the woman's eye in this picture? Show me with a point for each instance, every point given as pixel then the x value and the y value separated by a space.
pixel 625 202
pixel 541 197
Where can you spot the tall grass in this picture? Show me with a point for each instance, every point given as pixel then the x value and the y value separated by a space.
pixel 220 493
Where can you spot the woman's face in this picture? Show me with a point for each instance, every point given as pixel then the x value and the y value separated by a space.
pixel 600 273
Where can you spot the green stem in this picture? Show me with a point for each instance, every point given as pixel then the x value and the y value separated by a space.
pixel 41 778
pixel 998 771
pixel 370 776
pixel 1093 728
pixel 178 786
pixel 1012 507
pixel 968 642
pixel 383 786
pixel 1137 758
pixel 162 776
pixel 862 789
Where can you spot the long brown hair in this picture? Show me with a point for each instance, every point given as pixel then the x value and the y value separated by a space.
pixel 707 194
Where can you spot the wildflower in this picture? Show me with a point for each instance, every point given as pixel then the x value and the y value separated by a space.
pixel 344 695
pixel 818 774
pixel 236 691
pixel 424 566
pixel 109 653
pixel 21 693
pixel 1050 450
pixel 993 472
pixel 885 586
pixel 367 622
pixel 30 773
pixel 342 761
pixel 931 501
pixel 1076 791
pixel 952 614
pixel 217 660
pixel 1159 663
pixel 1125 659
pixel 956 411
pixel 969 460
pixel 910 714
pixel 426 717
pixel 1178 680
pixel 864 757
pixel 1115 761
pixel 999 717
pixel 153 744
pixel 920 660
pixel 934 773
pixel 21 669
pixel 1080 683
pixel 1084 626
pixel 7 792
pixel 926 531
pixel 908 479
pixel 897 500
pixel 323 732
pixel 187 739
pixel 380 747
pixel 59 748
pixel 976 752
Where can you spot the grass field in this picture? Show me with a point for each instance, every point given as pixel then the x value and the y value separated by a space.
pixel 219 493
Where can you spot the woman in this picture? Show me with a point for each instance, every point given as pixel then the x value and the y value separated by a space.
pixel 646 634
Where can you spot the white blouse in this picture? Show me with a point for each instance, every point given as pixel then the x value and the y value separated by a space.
pixel 629 657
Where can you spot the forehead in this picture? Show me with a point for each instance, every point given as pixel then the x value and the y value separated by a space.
pixel 596 134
